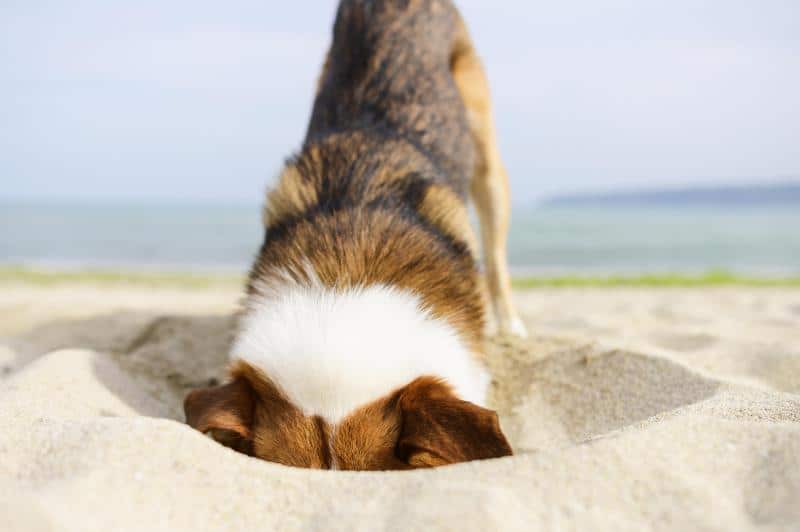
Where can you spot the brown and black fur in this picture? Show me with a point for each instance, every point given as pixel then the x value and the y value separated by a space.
pixel 389 75
pixel 422 424
pixel 400 137
pixel 378 191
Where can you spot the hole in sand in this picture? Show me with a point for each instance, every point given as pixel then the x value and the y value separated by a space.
pixel 548 391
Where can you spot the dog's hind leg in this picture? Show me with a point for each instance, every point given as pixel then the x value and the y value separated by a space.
pixel 489 187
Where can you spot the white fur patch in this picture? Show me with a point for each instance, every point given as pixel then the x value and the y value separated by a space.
pixel 332 351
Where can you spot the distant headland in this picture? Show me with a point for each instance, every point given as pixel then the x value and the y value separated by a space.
pixel 783 193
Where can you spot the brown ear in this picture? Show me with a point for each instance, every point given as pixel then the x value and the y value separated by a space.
pixel 438 428
pixel 225 411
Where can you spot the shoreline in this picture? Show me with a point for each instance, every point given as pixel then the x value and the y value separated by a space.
pixel 186 279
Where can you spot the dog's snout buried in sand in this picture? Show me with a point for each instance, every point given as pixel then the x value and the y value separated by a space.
pixel 360 342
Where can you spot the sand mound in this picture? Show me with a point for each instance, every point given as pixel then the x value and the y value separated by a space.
pixel 662 415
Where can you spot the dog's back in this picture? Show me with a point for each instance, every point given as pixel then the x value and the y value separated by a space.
pixel 388 77
pixel 359 344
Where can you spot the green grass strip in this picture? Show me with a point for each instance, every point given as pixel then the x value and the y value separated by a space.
pixel 707 279
pixel 111 277
pixel 42 277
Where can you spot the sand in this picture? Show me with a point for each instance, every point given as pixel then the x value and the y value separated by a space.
pixel 629 409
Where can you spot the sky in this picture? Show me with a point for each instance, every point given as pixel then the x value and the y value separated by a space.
pixel 202 101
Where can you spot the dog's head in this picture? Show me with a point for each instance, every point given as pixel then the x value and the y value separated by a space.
pixel 422 424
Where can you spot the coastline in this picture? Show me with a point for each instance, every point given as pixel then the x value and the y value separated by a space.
pixel 204 279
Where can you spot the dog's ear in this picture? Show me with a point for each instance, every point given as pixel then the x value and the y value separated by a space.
pixel 226 412
pixel 438 428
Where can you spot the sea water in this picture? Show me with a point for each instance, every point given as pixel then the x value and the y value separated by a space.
pixel 757 240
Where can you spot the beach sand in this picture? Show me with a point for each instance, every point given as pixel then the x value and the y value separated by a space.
pixel 628 409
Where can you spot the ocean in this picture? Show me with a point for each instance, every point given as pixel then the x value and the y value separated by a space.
pixel 566 240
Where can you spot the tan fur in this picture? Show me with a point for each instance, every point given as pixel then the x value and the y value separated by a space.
pixel 442 208
pixel 366 439
pixel 281 432
pixel 422 424
pixel 290 196
pixel 489 188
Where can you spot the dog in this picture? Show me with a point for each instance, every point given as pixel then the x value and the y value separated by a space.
pixel 359 345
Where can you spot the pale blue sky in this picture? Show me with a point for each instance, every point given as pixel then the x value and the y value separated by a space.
pixel 201 101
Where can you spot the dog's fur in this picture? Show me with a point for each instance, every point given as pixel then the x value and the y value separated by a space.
pixel 359 344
